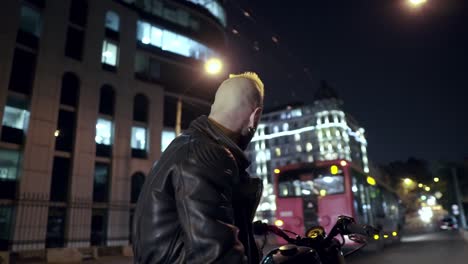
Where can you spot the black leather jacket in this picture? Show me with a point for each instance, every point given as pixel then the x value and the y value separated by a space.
pixel 197 204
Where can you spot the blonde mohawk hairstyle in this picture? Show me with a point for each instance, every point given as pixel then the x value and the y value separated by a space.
pixel 253 77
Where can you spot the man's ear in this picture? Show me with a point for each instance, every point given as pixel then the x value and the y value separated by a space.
pixel 255 117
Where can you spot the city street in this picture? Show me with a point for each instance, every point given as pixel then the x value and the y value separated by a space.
pixel 432 248
pixel 447 247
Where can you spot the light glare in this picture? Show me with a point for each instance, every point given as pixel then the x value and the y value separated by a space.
pixel 213 66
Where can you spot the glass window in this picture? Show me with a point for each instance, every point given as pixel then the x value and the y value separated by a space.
pixel 22 71
pixel 170 41
pixel 65 133
pixel 214 8
pixel 79 12
pixel 107 100
pixel 56 227
pixel 74 43
pixel 30 21
pixel 139 138
pixel 166 138
pixel 99 227
pixel 306 182
pixel 147 68
pixel 140 108
pixel 9 164
pixel 156 37
pixel 16 117
pixel 70 89
pixel 176 43
pixel 103 131
pixel 110 52
pixel 112 21
pixel 59 182
pixel 6 214
pixel 101 183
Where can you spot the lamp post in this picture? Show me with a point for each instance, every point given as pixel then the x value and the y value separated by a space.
pixel 212 66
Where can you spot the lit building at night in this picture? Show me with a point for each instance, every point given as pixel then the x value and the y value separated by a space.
pixel 88 99
pixel 304 133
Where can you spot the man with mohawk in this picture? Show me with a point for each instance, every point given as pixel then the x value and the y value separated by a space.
pixel 198 202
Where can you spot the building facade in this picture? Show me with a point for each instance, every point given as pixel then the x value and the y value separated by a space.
pixel 304 133
pixel 88 93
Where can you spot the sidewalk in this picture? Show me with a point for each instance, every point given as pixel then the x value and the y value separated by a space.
pixel 113 260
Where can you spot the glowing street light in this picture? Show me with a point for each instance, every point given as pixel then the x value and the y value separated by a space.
pixel 436 179
pixel 213 66
pixel 427 188
pixel 416 3
pixel 408 181
pixel 420 185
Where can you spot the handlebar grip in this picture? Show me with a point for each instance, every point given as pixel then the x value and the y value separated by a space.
pixel 365 230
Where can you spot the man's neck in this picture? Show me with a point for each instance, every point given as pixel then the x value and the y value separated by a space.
pixel 226 131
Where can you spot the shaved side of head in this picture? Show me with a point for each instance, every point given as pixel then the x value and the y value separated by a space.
pixel 236 99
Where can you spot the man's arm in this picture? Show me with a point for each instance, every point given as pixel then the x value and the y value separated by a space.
pixel 203 192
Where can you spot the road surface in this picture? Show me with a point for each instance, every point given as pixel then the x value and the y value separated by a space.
pixel 433 248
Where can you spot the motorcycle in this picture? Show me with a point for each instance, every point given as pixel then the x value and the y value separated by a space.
pixel 316 247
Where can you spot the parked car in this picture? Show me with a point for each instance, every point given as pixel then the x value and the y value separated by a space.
pixel 449 223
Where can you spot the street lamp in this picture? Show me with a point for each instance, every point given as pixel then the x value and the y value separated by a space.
pixel 417 3
pixel 436 179
pixel 213 66
pixel 408 181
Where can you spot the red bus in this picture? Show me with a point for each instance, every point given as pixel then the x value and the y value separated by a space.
pixel 311 194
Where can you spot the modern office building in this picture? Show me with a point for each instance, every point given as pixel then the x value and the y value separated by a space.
pixel 304 133
pixel 88 93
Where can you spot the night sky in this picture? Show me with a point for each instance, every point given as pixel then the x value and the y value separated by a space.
pixel 401 72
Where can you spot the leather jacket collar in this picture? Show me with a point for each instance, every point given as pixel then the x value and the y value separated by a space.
pixel 203 125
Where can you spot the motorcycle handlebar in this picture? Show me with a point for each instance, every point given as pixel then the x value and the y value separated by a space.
pixel 260 228
pixel 365 230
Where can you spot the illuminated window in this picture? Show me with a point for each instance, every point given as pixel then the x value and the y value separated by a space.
pixel 262 146
pixel 30 21
pixel 309 147
pixel 310 158
pixel 166 138
pixel 103 131
pixel 171 41
pixel 214 8
pixel 275 129
pixel 9 167
pixel 278 152
pixel 110 53
pixel 285 127
pixel 16 116
pixel 139 138
pixel 112 21
pixel 298 148
pixel 297 137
